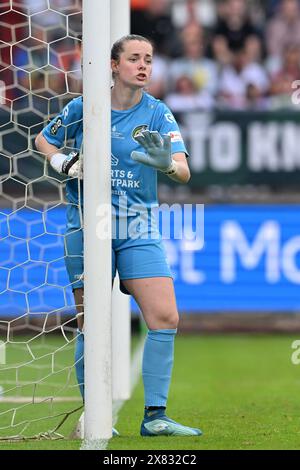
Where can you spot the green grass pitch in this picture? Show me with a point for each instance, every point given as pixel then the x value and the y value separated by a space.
pixel 242 391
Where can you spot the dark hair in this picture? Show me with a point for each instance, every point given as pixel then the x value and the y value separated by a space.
pixel 118 46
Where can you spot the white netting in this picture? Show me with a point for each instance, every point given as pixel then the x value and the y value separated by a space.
pixel 39 73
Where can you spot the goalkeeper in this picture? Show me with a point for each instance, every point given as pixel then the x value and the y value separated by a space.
pixel 145 139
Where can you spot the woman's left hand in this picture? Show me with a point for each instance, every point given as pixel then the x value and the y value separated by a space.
pixel 158 150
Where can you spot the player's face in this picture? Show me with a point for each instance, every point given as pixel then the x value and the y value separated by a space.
pixel 135 64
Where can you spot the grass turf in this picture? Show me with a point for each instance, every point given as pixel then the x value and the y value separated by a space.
pixel 242 391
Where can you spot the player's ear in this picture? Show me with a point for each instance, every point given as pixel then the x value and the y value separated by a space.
pixel 114 65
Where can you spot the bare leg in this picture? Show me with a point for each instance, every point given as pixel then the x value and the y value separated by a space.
pixel 156 299
pixel 78 295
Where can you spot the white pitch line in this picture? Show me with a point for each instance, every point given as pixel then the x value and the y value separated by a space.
pixel 38 399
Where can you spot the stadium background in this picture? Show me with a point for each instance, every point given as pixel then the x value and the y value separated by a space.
pixel 241 125
pixel 227 69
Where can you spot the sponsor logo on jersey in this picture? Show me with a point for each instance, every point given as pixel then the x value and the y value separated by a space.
pixel 169 117
pixel 66 111
pixel 175 136
pixel 54 128
pixel 114 160
pixel 116 134
pixel 137 130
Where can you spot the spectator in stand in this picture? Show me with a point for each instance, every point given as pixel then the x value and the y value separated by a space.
pixel 243 84
pixel 158 84
pixel 37 6
pixel 283 29
pixel 152 19
pixel 281 82
pixel 154 22
pixel 235 30
pixel 139 4
pixel 189 11
pixel 270 7
pixel 186 97
pixel 202 71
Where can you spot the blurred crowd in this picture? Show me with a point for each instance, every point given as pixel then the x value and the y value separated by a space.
pixel 40 48
pixel 236 54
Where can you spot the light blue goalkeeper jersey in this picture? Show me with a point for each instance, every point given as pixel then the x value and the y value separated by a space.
pixel 132 183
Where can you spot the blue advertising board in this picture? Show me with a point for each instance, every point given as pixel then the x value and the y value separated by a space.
pixel 249 261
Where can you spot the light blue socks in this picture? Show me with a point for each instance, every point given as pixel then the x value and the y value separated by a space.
pixel 79 362
pixel 157 366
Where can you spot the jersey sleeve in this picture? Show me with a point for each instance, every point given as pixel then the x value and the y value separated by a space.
pixel 65 125
pixel 166 124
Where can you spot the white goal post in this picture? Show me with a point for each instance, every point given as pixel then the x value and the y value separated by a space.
pixel 96 89
pixel 121 314
pixel 97 209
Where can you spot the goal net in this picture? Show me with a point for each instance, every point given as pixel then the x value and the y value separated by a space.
pixel 40 71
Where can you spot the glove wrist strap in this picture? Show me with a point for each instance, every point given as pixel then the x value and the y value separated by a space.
pixel 62 163
pixel 172 170
pixel 56 161
pixel 69 162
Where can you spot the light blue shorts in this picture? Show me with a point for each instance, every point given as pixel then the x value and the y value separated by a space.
pixel 132 258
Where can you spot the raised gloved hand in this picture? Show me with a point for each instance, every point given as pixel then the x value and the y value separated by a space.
pixel 69 165
pixel 158 151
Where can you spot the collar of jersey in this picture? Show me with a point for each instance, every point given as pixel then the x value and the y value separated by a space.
pixel 129 110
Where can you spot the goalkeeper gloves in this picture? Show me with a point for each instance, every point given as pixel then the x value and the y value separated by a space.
pixel 69 165
pixel 158 152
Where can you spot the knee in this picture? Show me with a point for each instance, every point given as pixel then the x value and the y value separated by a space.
pixel 174 320
pixel 169 320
